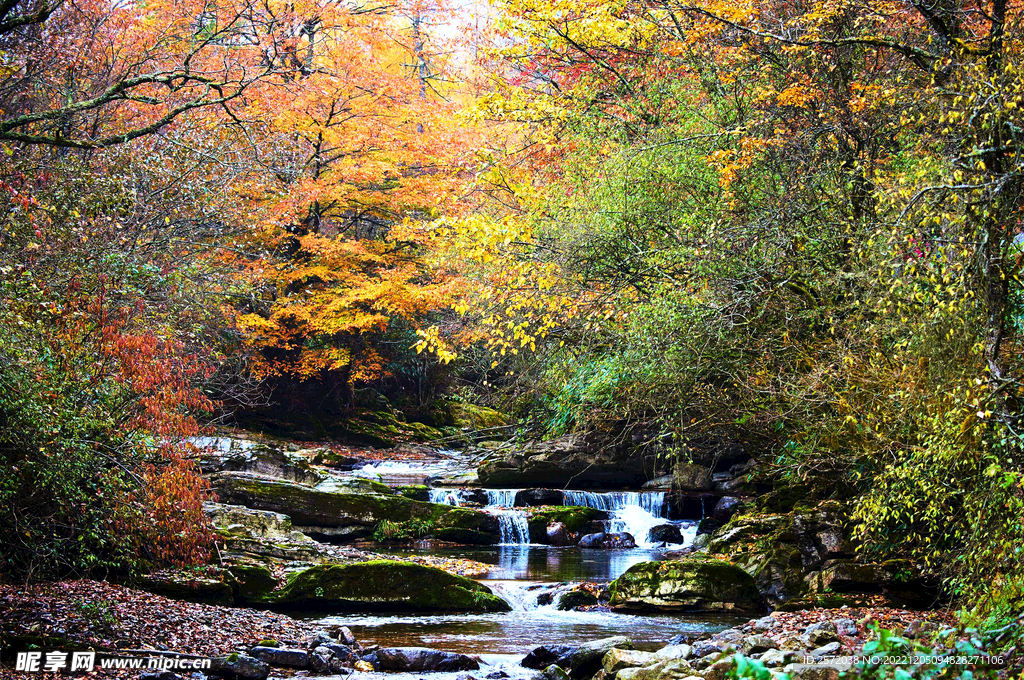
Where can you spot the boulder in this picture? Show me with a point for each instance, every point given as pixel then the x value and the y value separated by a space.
pixel 587 460
pixel 422 660
pixel 673 669
pixel 281 657
pixel 617 659
pixel 674 651
pixel 692 477
pixel 663 483
pixel 725 508
pixel 260 459
pixel 576 598
pixel 557 534
pixel 756 644
pixel 553 672
pixel 534 497
pixel 239 667
pixel 830 649
pixel 821 633
pixel 260 533
pixel 585 660
pixel 385 585
pixel 348 510
pixel 540 658
pixel 612 541
pixel 691 584
pixel 464 525
pixel 666 533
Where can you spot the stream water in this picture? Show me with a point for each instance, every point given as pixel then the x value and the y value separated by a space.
pixel 520 572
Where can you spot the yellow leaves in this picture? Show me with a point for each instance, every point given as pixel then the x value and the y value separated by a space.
pixel 431 341
pixel 799 95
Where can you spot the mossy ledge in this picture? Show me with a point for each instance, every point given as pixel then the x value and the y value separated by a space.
pixel 385 585
pixel 693 584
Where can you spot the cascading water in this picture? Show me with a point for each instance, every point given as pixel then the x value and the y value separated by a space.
pixel 636 512
pixel 512 523
pixel 446 497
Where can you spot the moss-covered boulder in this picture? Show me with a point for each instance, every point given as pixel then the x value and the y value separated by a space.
pixel 343 513
pixel 476 417
pixel 252 582
pixel 385 585
pixel 416 492
pixel 686 585
pixel 575 518
pixel 463 525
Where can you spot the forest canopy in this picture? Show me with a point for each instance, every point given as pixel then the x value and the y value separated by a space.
pixel 798 225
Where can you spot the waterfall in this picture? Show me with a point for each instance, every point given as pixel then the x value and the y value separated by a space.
pixel 446 497
pixel 512 523
pixel 513 527
pixel 501 498
pixel 636 512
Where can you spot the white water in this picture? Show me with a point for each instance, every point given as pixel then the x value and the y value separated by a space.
pixel 512 523
pixel 447 497
pixel 635 512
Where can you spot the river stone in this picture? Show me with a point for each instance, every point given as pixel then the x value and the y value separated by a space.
pixel 423 660
pixel 540 658
pixel 585 660
pixel 691 584
pixel 558 535
pixel 774 658
pixel 822 633
pixel 277 656
pixel 576 598
pixel 675 669
pixel 617 659
pixel 830 649
pixel 674 652
pixel 815 671
pixel 725 508
pixel 534 497
pixel 615 541
pixel 756 644
pixel 692 477
pixel 553 672
pixel 239 667
pixel 385 585
pixel 666 533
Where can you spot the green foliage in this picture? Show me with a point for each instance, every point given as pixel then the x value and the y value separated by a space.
pixel 388 530
pixel 752 669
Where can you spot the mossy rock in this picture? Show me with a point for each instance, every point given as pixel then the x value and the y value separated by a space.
pixel 692 584
pixel 416 492
pixel 353 514
pixel 178 584
pixel 253 581
pixel 476 417
pixel 575 518
pixel 463 525
pixel 385 585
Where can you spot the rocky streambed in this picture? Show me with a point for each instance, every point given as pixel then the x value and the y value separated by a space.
pixel 411 553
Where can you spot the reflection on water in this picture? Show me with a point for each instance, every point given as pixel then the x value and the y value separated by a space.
pixel 519 575
pixel 546 563
pixel 518 632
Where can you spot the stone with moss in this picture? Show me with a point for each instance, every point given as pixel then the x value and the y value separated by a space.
pixel 385 585
pixel 416 492
pixel 338 512
pixel 693 584
pixel 575 518
pixel 253 581
pixel 475 417
pixel 463 525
